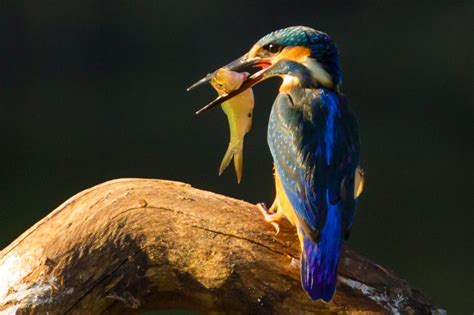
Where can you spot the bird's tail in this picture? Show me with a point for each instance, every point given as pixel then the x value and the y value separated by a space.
pixel 318 271
pixel 319 260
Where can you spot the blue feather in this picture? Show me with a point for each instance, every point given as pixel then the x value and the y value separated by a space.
pixel 322 46
pixel 319 260
pixel 313 140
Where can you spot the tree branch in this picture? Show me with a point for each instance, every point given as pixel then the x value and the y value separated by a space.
pixel 131 245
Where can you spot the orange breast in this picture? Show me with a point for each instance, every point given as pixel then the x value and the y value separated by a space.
pixel 283 203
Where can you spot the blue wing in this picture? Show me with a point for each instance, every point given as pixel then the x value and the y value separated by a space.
pixel 314 142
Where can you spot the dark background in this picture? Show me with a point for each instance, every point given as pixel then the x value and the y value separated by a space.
pixel 95 90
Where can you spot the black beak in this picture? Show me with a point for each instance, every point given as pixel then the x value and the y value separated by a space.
pixel 251 81
pixel 236 65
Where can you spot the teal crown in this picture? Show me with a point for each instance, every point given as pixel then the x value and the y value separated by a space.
pixel 323 48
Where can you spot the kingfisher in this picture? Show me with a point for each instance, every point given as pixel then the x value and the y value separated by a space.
pixel 313 139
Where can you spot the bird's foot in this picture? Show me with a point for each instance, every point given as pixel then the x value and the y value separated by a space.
pixel 295 263
pixel 270 217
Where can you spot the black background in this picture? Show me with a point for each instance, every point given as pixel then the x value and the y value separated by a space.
pixel 95 90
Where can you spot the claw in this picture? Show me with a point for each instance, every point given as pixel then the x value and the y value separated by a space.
pixel 262 207
pixel 276 226
pixel 270 218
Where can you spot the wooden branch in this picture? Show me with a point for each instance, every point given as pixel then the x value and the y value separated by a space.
pixel 131 245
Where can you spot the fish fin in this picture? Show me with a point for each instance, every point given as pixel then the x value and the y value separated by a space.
pixel 226 160
pixel 238 164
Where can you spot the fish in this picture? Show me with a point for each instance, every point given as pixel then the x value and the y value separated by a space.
pixel 239 112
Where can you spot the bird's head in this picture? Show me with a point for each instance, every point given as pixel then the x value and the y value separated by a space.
pixel 300 55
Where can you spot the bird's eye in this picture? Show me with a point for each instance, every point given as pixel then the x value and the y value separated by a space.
pixel 273 48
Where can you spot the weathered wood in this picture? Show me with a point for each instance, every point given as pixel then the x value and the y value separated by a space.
pixel 132 245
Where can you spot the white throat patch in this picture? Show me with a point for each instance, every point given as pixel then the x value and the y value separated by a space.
pixel 318 73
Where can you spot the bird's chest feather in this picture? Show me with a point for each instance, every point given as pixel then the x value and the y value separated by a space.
pixel 302 140
pixel 296 125
pixel 281 140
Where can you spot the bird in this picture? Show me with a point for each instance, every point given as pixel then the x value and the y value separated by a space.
pixel 314 142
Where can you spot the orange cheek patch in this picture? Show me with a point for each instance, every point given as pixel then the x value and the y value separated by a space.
pixel 289 83
pixel 283 201
pixel 285 89
pixel 297 54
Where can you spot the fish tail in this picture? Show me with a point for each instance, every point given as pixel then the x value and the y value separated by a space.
pixel 227 158
pixel 238 164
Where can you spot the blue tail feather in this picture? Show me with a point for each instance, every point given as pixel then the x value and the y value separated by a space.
pixel 318 274
pixel 319 260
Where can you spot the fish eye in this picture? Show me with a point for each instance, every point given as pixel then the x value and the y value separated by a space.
pixel 217 83
pixel 273 48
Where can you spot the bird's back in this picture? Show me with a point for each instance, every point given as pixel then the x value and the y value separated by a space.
pixel 313 139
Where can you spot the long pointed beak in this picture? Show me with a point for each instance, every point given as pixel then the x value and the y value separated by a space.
pixel 236 65
pixel 247 84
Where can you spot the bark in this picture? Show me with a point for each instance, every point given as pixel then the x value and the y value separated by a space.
pixel 132 245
